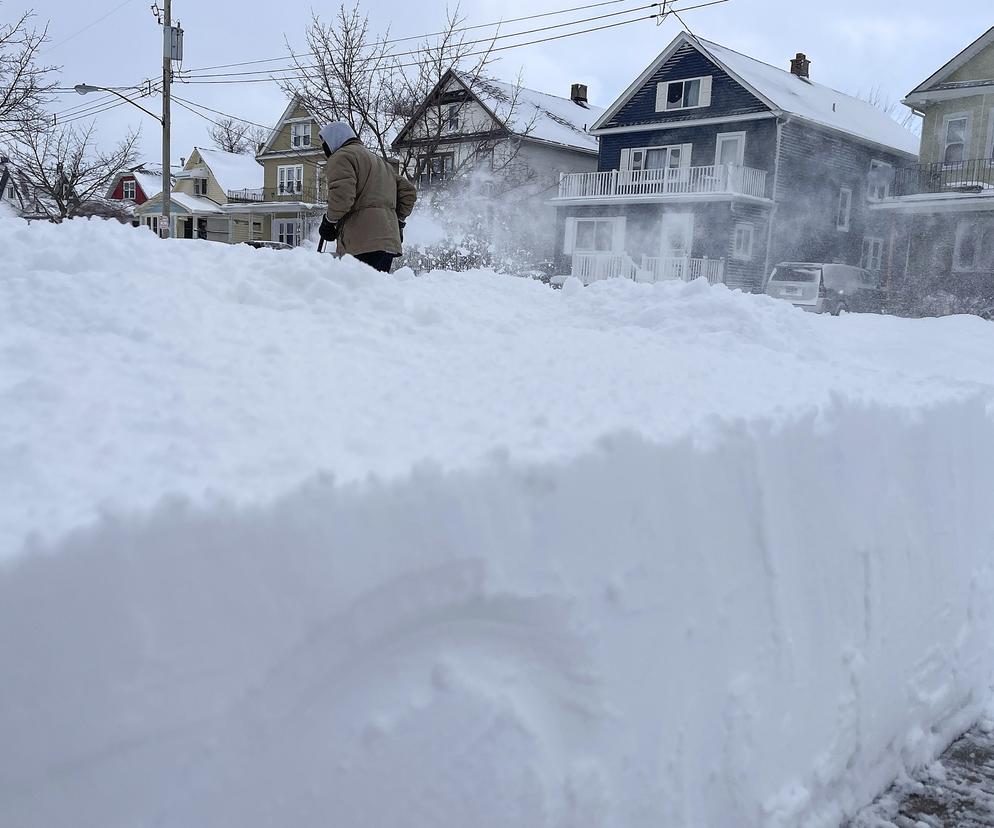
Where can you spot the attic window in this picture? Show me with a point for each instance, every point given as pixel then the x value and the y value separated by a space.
pixel 300 134
pixel 692 93
pixel 129 190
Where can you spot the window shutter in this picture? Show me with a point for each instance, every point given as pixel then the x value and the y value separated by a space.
pixel 618 236
pixel 626 160
pixel 570 241
pixel 661 96
pixel 705 99
pixel 686 150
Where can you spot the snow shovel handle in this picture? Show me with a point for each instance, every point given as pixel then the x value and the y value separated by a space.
pixel 321 246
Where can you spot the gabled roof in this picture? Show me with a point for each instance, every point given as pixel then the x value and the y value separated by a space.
pixel 232 170
pixel 274 133
pixel 536 116
pixel 148 176
pixel 964 57
pixel 786 94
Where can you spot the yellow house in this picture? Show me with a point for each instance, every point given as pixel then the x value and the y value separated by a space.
pixel 210 183
pixel 293 196
pixel 942 209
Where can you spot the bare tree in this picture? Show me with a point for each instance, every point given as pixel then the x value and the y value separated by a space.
pixel 67 170
pixel 24 84
pixel 237 136
pixel 895 110
pixel 349 74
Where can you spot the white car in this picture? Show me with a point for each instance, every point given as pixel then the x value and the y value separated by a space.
pixel 825 288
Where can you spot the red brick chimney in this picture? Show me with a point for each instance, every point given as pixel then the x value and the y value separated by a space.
pixel 800 66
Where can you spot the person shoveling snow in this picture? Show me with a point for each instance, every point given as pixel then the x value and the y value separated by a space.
pixel 368 202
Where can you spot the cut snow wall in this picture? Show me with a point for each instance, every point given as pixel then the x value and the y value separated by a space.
pixel 759 631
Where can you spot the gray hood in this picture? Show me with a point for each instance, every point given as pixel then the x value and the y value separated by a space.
pixel 336 134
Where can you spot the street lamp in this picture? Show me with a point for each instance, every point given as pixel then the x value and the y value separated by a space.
pixel 85 89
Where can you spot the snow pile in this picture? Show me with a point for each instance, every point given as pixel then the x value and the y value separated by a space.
pixel 288 543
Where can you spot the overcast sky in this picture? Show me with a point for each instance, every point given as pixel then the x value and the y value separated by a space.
pixel 854 45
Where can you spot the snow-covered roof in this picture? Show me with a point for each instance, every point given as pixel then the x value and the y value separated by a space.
pixel 813 101
pixel 538 115
pixel 232 170
pixel 150 181
pixel 786 93
pixel 190 203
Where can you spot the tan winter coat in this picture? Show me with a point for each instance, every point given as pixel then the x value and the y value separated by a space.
pixel 367 199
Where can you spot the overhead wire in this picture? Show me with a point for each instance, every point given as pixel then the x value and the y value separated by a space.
pixel 292 72
pixel 424 36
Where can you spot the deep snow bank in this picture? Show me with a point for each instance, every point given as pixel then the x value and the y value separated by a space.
pixel 633 555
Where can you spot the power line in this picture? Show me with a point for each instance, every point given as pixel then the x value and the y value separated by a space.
pixel 297 67
pixel 424 36
pixel 295 74
pixel 89 26
pixel 290 77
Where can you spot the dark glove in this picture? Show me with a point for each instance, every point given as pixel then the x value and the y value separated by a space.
pixel 328 230
pixel 401 224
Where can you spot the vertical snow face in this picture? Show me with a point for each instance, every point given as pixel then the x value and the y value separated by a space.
pixel 760 631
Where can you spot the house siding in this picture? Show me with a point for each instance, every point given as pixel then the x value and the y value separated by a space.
pixel 118 194
pixel 728 97
pixel 978 107
pixel 814 166
pixel 760 146
pixel 214 191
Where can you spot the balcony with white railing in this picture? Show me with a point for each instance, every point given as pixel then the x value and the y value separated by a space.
pixel 659 184
pixel 595 267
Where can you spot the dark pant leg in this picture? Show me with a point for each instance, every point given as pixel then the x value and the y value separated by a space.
pixel 378 260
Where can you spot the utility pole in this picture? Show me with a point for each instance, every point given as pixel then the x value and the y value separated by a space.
pixel 167 79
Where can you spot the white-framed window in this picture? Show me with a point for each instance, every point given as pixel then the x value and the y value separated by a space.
pixel 955 137
pixel 129 189
pixel 290 179
pixel 692 93
pixel 969 234
pixel 878 184
pixel 300 134
pixel 730 148
pixel 742 240
pixel 666 157
pixel 287 232
pixel 872 256
pixel 200 186
pixel 595 235
pixel 844 210
pixel 10 191
pixel 152 223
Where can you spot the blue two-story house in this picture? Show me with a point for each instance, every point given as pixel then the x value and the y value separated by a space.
pixel 718 165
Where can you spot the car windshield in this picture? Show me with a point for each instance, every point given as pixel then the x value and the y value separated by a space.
pixel 796 274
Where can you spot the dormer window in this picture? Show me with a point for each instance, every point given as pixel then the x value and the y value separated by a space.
pixel 692 93
pixel 300 134
pixel 129 190
pixel 200 186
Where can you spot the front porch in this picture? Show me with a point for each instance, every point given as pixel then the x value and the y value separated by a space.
pixel 595 267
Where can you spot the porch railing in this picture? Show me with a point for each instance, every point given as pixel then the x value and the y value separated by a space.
pixel 975 175
pixel 594 267
pixel 288 192
pixel 714 179
pixel 684 268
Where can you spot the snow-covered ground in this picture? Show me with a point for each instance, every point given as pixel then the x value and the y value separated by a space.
pixel 283 542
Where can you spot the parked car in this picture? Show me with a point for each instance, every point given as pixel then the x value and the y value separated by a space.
pixel 826 288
